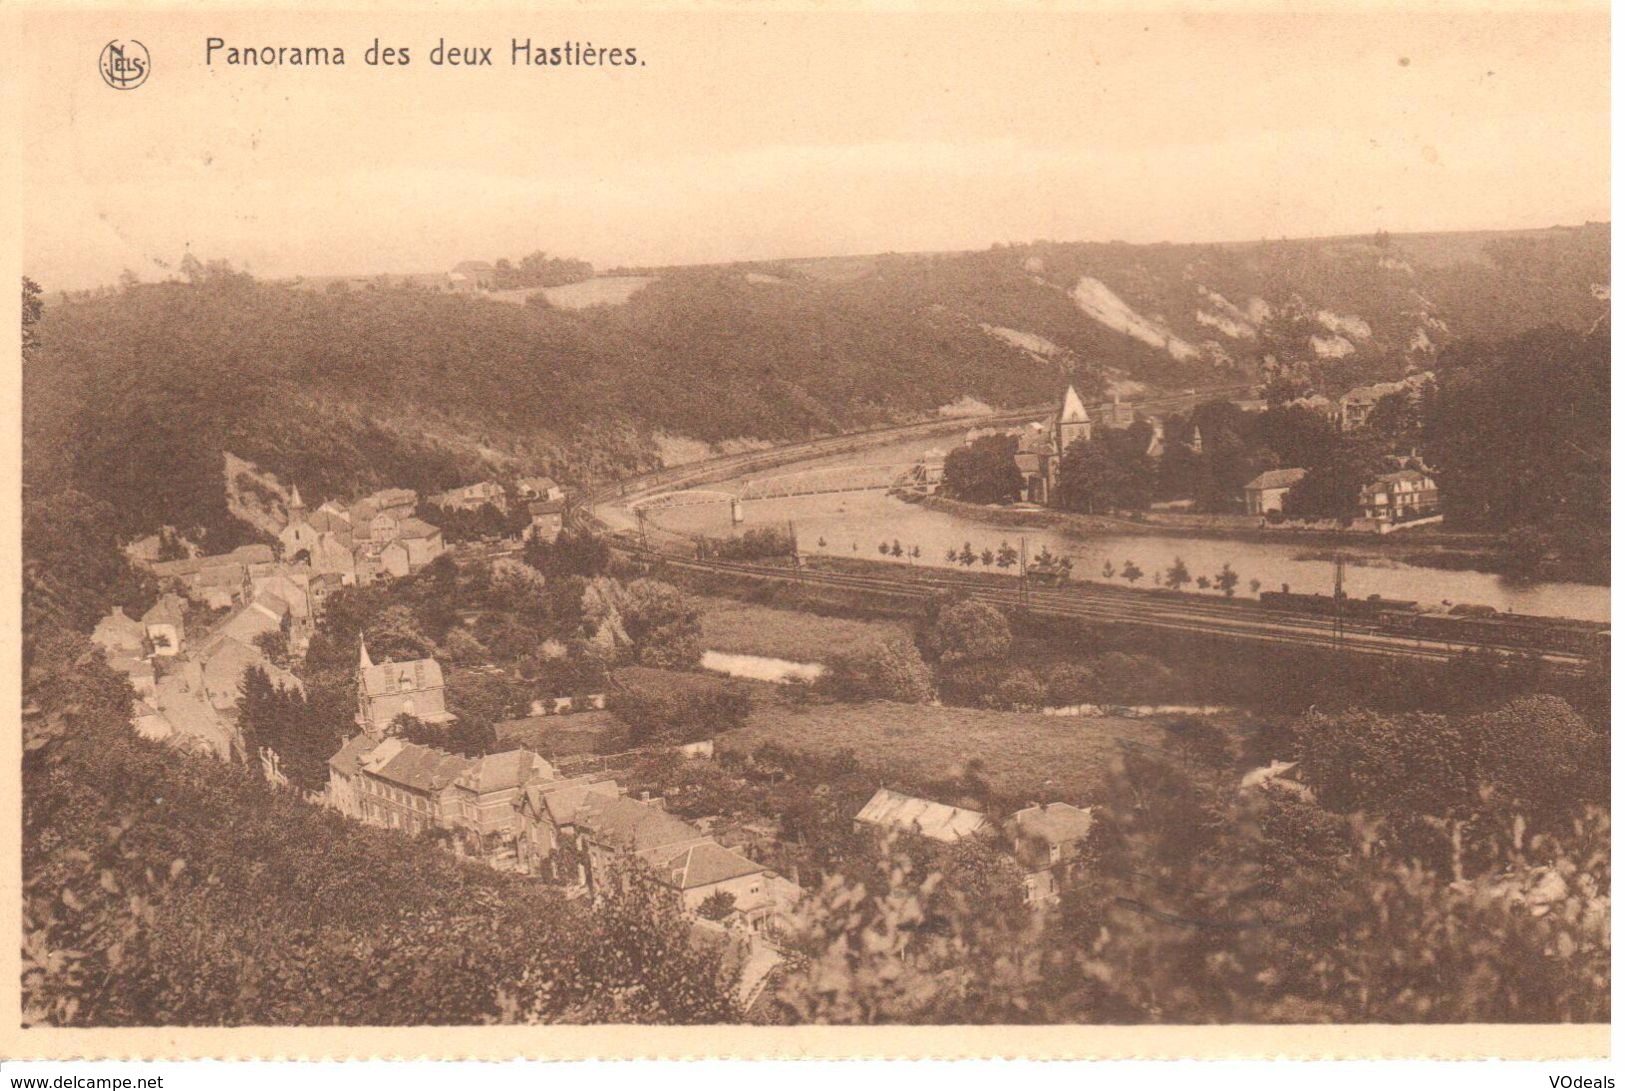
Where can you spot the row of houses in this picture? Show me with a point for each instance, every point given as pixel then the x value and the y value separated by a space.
pixel 528 490
pixel 376 537
pixel 187 686
pixel 515 810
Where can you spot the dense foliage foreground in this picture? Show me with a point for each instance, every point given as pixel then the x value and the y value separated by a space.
pixel 166 889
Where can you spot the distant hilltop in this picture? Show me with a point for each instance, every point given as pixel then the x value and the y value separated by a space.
pixel 432 380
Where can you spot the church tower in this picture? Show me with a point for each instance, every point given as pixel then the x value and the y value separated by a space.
pixel 296 508
pixel 363 717
pixel 1072 423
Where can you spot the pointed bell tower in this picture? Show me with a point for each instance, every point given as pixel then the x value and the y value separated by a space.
pixel 363 717
pixel 1072 423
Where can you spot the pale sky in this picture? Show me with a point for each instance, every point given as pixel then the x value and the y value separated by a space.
pixel 777 135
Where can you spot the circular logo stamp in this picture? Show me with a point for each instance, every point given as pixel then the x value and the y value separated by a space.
pixel 125 65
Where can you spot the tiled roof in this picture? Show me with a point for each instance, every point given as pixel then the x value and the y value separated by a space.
pixel 119 630
pixel 347 762
pixel 1054 823
pixel 415 528
pixel 563 798
pixel 408 677
pixel 938 821
pixel 546 507
pixel 1277 479
pixel 629 825
pixel 701 864
pixel 253 554
pixel 509 769
pixel 418 767
pixel 168 610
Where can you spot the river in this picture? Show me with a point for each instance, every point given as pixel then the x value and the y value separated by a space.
pixel 854 524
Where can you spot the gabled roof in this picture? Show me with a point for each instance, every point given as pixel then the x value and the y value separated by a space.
pixel 1054 823
pixel 420 768
pixel 938 821
pixel 507 770
pixel 1277 479
pixel 329 522
pixel 560 799
pixel 408 677
pixel 168 610
pixel 253 554
pixel 347 762
pixel 546 507
pixel 1402 476
pixel 701 864
pixel 119 630
pixel 223 671
pixel 1072 410
pixel 246 624
pixel 415 528
pixel 629 825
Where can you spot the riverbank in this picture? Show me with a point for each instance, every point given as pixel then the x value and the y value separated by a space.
pixel 1452 551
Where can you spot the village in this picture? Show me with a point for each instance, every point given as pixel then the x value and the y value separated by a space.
pixel 220 620
pixel 1127 461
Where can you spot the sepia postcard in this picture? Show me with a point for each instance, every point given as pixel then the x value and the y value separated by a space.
pixel 773 530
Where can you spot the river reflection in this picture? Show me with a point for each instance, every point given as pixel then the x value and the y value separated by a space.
pixel 855 524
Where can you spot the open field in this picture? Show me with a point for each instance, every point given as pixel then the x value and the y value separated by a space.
pixel 565 736
pixel 728 625
pixel 1024 756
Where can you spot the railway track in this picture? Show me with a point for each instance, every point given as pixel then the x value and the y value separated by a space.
pixel 1226 620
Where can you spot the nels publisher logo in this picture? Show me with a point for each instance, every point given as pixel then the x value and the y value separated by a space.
pixel 125 65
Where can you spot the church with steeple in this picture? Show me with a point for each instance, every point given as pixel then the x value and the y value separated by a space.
pixel 1041 445
pixel 415 687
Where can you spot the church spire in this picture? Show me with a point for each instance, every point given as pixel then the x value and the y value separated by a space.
pixel 366 660
pixel 1072 410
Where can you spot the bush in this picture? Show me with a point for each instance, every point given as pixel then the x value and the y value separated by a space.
pixel 892 671
pixel 1021 690
pixel 168 890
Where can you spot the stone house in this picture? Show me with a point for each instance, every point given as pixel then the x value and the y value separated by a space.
pixel 472 497
pixel 404 786
pixel 1049 842
pixel 546 823
pixel 1399 497
pixel 166 625
pixel 386 690
pixel 546 520
pixel 485 797
pixel 1267 492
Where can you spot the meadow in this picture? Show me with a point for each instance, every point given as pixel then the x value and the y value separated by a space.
pixel 1023 756
pixel 728 625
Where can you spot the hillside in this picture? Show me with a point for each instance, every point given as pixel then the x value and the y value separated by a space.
pixel 135 396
